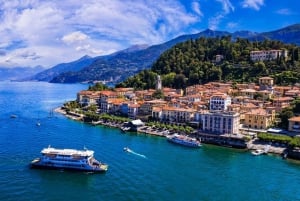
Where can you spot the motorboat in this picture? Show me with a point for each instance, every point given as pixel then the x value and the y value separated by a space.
pixel 258 152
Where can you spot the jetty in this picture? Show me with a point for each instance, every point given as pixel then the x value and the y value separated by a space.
pixel 234 141
pixel 274 148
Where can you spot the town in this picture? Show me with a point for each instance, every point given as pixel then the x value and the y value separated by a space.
pixel 227 114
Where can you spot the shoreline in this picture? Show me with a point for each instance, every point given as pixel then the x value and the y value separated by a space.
pixel 251 145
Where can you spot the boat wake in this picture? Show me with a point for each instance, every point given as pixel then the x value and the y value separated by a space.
pixel 132 152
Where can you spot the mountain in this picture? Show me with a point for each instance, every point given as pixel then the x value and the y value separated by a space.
pixel 290 34
pixel 19 73
pixel 195 62
pixel 73 66
pixel 123 64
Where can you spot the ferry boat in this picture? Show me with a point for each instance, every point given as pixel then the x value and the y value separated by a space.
pixel 184 140
pixel 68 159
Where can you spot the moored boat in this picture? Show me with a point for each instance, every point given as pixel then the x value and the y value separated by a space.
pixel 184 140
pixel 68 159
pixel 257 152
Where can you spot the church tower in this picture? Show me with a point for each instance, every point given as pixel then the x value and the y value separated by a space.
pixel 158 83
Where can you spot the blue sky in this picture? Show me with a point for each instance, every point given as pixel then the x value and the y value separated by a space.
pixel 48 32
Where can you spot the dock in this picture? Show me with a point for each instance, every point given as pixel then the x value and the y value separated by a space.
pixel 272 148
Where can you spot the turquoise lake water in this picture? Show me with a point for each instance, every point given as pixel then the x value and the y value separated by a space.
pixel 169 172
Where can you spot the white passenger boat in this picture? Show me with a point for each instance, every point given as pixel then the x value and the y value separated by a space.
pixel 68 159
pixel 184 140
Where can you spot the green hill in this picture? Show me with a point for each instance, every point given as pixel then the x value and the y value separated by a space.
pixel 194 62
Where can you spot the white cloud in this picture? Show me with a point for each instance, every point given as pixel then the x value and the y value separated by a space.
pixel 48 32
pixel 254 4
pixel 227 8
pixel 284 11
pixel 196 8
pixel 74 37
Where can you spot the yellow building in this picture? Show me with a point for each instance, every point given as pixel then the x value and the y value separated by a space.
pixel 177 115
pixel 259 118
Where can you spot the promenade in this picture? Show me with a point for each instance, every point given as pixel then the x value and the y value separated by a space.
pixel 275 148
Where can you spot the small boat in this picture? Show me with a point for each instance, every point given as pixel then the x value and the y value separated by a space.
pixel 38 123
pixel 13 116
pixel 68 159
pixel 184 140
pixel 126 149
pixel 258 152
pixel 124 129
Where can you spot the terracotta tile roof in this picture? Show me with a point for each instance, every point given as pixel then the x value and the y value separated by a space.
pixel 108 93
pixel 266 78
pixel 177 109
pixel 283 99
pixel 259 111
pixel 295 119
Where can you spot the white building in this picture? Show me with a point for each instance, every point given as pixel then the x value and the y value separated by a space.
pixel 220 122
pixel 266 55
pixel 219 102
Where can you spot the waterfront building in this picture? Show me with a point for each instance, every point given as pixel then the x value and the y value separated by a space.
pixel 104 105
pixel 157 113
pixel 112 105
pixel 260 118
pixel 86 98
pixel 294 124
pixel 219 101
pixel 177 115
pixel 124 108
pixel 133 110
pixel 136 124
pixel 220 122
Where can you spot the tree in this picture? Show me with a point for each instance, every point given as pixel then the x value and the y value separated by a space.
pixel 158 94
pixel 180 81
pixel 98 87
pixel 284 116
pixel 296 108
pixel 92 108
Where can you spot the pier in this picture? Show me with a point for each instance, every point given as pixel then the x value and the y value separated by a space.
pixel 223 140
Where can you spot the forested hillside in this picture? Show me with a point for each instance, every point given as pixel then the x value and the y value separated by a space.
pixel 194 62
